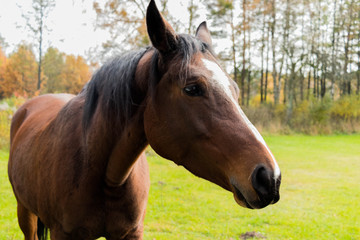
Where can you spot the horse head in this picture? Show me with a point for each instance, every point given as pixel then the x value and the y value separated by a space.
pixel 193 117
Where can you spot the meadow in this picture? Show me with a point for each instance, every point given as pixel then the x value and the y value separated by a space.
pixel 320 196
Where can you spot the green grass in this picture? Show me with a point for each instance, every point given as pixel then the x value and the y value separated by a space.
pixel 320 197
pixel 8 221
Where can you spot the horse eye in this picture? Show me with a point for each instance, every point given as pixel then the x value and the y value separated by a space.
pixel 193 90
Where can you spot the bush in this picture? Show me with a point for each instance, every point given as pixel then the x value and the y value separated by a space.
pixel 346 108
pixel 311 116
pixel 345 115
pixel 301 117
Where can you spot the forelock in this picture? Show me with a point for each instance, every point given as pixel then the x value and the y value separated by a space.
pixel 188 47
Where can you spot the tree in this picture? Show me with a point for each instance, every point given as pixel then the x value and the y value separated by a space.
pixel 20 73
pixel 3 62
pixel 54 66
pixel 3 44
pixel 193 15
pixel 125 22
pixel 75 74
pixel 358 53
pixel 349 23
pixel 35 21
pixel 248 26
pixel 2 58
pixel 243 29
pixel 262 16
pixel 222 14
pixel 273 50
pixel 333 49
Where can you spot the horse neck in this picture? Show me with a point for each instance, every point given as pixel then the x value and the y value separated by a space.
pixel 122 148
pixel 126 150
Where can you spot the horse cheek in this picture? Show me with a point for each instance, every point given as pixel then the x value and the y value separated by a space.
pixel 154 131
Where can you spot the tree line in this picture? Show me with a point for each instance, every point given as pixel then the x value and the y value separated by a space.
pixel 283 51
pixel 60 72
pixel 21 73
pixel 297 61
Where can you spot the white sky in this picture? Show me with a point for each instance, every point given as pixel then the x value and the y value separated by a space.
pixel 72 23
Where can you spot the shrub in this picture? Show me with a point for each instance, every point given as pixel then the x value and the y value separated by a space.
pixel 301 117
pixel 311 116
pixel 346 108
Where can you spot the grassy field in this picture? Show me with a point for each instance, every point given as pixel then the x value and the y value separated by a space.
pixel 320 197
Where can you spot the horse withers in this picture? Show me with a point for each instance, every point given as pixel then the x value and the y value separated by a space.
pixel 77 164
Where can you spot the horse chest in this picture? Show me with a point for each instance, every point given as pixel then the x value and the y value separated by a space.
pixel 108 211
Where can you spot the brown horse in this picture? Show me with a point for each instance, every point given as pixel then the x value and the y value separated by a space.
pixel 77 164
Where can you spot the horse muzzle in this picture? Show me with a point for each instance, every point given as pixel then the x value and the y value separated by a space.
pixel 266 188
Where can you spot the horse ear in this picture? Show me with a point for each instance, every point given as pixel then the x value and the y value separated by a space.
pixel 162 35
pixel 203 33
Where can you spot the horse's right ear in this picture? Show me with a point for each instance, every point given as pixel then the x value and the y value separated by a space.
pixel 203 33
pixel 162 35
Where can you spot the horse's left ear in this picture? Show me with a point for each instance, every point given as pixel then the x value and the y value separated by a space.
pixel 203 33
pixel 162 35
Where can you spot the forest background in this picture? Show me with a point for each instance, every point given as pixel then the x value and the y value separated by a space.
pixel 297 63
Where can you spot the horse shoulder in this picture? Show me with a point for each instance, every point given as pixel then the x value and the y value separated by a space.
pixel 26 147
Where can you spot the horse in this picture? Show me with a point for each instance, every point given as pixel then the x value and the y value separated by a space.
pixel 77 164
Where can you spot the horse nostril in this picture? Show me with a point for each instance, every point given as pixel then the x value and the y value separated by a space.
pixel 262 182
pixel 265 186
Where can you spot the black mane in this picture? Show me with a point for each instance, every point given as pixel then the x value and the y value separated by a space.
pixel 112 85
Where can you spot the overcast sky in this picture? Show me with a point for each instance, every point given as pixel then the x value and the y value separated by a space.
pixel 72 23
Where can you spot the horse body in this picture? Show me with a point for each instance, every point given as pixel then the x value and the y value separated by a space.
pixel 71 185
pixel 77 163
